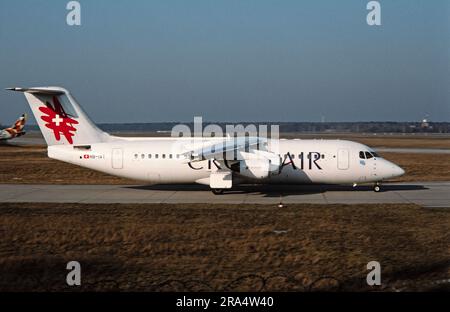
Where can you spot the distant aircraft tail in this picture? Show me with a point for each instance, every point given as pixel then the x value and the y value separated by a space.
pixel 60 118
pixel 17 127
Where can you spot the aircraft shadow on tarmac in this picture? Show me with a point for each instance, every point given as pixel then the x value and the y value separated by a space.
pixel 7 144
pixel 277 190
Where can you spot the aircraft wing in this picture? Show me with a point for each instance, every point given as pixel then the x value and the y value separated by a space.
pixel 247 157
pixel 230 148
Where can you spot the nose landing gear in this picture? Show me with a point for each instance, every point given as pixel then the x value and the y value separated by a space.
pixel 377 187
pixel 217 191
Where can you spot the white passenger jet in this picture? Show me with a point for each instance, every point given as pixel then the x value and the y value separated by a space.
pixel 219 162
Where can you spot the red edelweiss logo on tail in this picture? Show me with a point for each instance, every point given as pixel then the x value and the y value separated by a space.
pixel 57 120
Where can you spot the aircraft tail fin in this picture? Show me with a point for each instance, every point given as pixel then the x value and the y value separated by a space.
pixel 61 120
pixel 18 126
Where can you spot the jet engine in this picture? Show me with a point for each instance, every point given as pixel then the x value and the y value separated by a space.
pixel 259 168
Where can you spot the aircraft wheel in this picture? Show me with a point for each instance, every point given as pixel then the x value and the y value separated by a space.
pixel 377 188
pixel 217 191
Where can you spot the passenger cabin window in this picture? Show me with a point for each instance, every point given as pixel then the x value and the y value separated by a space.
pixel 170 156
pixel 156 156
pixel 361 155
pixel 149 156
pixel 163 156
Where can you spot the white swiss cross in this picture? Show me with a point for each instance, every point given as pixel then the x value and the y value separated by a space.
pixel 57 120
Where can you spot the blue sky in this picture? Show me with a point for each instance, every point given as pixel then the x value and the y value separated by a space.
pixel 147 61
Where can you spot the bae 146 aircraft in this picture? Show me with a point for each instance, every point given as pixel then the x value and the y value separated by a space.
pixel 219 162
pixel 16 130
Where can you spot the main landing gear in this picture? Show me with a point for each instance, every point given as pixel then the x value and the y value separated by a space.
pixel 217 191
pixel 377 187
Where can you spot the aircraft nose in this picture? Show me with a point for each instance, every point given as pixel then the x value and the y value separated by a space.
pixel 391 170
pixel 398 171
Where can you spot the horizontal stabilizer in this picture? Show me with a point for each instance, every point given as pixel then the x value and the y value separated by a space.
pixel 43 90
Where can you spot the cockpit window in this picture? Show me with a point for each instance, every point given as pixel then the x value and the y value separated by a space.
pixel 361 155
pixel 368 155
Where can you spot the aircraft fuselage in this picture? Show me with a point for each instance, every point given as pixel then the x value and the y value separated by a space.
pixel 161 161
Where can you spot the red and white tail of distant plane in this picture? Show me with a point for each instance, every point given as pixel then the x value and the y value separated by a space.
pixel 16 130
pixel 219 162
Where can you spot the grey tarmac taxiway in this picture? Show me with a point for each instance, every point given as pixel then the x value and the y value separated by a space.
pixel 427 194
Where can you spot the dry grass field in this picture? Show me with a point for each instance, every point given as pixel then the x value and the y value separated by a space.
pixel 30 164
pixel 404 142
pixel 372 140
pixel 422 167
pixel 397 141
pixel 223 247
